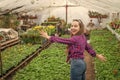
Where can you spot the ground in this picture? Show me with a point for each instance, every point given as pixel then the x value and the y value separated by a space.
pixel 90 73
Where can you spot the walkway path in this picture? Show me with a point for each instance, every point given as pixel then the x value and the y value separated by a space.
pixel 90 73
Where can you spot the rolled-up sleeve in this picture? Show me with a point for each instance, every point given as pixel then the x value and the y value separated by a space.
pixel 62 40
pixel 90 50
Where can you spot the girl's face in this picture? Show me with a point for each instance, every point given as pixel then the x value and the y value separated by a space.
pixel 75 28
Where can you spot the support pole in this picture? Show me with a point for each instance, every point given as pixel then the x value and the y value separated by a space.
pixel 66 11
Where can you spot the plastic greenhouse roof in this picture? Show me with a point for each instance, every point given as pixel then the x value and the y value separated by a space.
pixel 45 8
pixel 99 5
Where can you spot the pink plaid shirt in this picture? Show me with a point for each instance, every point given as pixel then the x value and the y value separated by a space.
pixel 77 45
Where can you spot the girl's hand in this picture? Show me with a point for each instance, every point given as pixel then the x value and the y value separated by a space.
pixel 101 57
pixel 44 34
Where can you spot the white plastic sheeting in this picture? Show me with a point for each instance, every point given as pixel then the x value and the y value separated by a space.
pixel 73 13
pixel 76 8
pixel 99 5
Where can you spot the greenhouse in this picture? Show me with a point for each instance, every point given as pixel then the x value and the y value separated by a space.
pixel 59 40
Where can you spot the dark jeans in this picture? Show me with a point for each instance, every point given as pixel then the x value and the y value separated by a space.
pixel 78 68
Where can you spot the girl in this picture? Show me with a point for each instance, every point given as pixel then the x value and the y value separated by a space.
pixel 77 44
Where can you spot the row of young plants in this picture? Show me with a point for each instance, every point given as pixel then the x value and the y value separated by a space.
pixel 105 42
pixel 15 54
pixel 49 65
pixel 32 35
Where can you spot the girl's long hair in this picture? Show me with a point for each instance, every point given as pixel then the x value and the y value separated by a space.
pixel 81 25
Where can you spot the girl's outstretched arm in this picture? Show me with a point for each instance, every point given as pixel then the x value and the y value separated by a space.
pixel 94 54
pixel 58 39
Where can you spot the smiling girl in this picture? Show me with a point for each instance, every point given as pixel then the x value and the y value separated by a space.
pixel 77 44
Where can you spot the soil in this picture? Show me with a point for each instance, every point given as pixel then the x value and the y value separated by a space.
pixel 90 73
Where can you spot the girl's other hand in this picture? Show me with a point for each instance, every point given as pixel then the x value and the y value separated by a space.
pixel 101 57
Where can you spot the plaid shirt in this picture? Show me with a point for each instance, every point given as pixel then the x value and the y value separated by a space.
pixel 77 45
